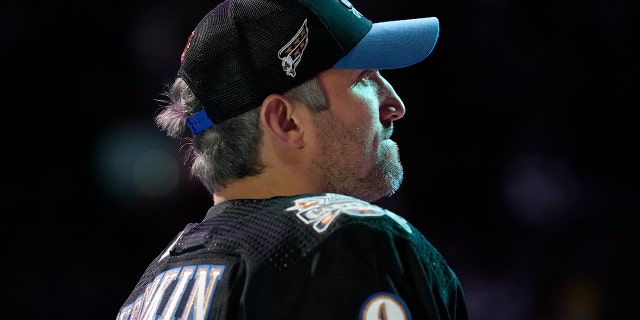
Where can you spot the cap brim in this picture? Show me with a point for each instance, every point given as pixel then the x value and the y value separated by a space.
pixel 393 44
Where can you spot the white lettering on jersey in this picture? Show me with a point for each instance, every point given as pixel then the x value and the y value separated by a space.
pixel 322 210
pixel 192 287
pixel 384 306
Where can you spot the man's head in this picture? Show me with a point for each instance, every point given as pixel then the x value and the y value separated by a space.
pixel 254 76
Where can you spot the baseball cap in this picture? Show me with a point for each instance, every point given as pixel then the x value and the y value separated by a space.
pixel 244 50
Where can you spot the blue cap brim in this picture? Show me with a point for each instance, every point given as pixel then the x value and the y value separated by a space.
pixel 393 44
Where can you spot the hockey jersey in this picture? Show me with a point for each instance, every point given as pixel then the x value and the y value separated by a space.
pixel 312 256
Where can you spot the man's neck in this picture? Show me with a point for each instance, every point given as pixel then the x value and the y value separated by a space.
pixel 263 187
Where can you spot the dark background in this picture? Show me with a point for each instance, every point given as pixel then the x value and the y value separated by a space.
pixel 519 144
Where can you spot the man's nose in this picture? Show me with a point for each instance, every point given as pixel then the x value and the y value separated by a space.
pixel 391 108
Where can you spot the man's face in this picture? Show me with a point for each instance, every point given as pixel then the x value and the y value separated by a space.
pixel 356 156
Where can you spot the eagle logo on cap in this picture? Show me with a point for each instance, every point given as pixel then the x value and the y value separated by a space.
pixel 291 53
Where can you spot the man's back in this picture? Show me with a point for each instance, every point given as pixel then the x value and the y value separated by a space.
pixel 314 256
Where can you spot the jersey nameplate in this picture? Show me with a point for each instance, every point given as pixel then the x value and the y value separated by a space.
pixel 180 293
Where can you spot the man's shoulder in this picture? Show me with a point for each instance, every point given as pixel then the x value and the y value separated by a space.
pixel 257 229
pixel 306 218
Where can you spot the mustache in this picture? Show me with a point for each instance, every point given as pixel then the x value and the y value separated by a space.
pixel 387 132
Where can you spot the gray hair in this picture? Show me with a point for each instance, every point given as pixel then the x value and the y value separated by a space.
pixel 228 150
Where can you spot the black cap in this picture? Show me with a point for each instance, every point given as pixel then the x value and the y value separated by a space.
pixel 244 50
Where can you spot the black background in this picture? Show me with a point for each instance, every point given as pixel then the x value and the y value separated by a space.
pixel 519 145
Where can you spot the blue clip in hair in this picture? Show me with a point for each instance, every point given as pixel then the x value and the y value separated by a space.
pixel 199 122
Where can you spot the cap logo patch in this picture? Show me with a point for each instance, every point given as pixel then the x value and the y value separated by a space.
pixel 291 53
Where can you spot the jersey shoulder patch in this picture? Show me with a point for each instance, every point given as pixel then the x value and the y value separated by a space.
pixel 320 211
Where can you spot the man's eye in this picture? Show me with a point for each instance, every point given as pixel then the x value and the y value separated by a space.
pixel 366 75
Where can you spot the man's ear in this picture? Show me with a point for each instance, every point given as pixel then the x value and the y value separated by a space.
pixel 281 118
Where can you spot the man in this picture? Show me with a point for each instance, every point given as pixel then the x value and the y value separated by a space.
pixel 288 124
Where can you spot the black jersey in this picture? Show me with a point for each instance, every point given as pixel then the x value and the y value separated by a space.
pixel 314 256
